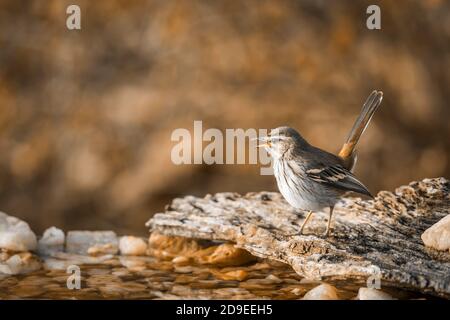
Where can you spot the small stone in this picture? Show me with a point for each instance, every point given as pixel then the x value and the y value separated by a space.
pixel 273 278
pixel 239 275
pixel 322 292
pixel 181 260
pixel 168 247
pixel 224 255
pixel 52 241
pixel 133 263
pixel 373 294
pixel 297 291
pixel 438 235
pixel 15 234
pixel 20 263
pixel 132 246
pixel 92 242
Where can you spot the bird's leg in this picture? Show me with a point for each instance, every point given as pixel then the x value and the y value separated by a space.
pixel 327 232
pixel 306 221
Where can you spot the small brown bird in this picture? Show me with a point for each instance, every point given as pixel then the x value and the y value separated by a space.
pixel 310 178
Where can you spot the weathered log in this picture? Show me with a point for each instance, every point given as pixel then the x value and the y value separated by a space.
pixel 378 238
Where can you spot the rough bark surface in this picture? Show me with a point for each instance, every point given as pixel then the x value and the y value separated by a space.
pixel 377 238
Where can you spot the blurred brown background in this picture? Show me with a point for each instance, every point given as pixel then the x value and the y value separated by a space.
pixel 86 116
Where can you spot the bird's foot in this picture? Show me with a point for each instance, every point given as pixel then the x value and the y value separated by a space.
pixel 327 233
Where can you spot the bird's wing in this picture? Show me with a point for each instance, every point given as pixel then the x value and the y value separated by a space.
pixel 338 177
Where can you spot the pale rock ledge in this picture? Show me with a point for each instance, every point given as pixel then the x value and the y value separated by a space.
pixel 371 238
pixel 15 234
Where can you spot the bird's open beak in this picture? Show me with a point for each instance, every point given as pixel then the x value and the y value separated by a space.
pixel 265 142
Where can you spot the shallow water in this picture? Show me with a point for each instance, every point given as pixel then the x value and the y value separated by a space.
pixel 152 278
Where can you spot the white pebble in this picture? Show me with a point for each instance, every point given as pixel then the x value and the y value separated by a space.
pixel 438 235
pixel 372 294
pixel 322 292
pixel 132 246
pixel 52 241
pixel 15 234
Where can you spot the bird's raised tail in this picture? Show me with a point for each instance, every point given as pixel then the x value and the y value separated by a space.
pixel 371 105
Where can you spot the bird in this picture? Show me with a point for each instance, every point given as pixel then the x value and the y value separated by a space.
pixel 312 179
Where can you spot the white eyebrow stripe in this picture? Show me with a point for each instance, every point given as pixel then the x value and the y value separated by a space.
pixel 277 137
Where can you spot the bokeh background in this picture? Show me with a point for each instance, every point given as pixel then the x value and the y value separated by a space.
pixel 86 116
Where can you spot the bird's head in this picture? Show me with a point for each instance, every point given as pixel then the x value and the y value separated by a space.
pixel 280 141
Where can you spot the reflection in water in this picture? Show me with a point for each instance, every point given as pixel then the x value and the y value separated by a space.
pixel 151 278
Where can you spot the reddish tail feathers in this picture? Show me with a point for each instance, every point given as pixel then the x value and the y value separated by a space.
pixel 371 105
